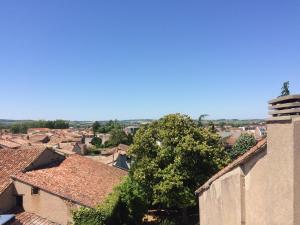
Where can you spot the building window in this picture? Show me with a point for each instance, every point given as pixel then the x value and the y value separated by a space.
pixel 19 201
pixel 35 191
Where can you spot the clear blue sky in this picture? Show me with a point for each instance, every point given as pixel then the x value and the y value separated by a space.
pixel 98 60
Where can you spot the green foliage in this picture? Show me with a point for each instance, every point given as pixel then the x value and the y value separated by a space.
pixel 118 136
pixel 132 205
pixel 285 90
pixel 234 122
pixel 19 128
pixel 95 127
pixel 244 143
pixel 172 158
pixel 3 126
pixel 167 222
pixel 106 127
pixel 96 141
pixel 125 206
pixel 24 126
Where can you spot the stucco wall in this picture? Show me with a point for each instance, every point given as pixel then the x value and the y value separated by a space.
pixel 222 204
pixel 297 171
pixel 269 180
pixel 45 204
pixel 271 193
pixel 7 199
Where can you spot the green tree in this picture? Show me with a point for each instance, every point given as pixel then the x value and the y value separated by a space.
pixel 285 90
pixel 118 136
pixel 244 143
pixel 96 126
pixel 125 206
pixel 60 124
pixel 96 141
pixel 172 158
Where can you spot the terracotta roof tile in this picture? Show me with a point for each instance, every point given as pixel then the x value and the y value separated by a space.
pixel 38 138
pixel 81 180
pixel 12 161
pixel 240 160
pixel 38 129
pixel 54 140
pixel 26 218
pixel 20 141
pixel 9 144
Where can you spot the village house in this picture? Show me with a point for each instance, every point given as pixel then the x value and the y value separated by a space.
pixel 13 161
pixel 262 187
pixel 36 182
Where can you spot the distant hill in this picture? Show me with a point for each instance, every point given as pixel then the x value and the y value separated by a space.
pixel 9 122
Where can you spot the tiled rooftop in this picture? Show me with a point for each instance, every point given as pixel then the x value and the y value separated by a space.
pixel 13 161
pixel 81 180
pixel 9 144
pixel 26 218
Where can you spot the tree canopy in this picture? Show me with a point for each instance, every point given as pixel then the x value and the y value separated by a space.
pixel 106 127
pixel 118 136
pixel 173 157
pixel 285 90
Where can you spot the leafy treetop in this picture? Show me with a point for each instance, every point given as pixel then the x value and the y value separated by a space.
pixel 285 90
pixel 173 157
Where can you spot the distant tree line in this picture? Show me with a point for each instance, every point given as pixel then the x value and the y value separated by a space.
pixel 4 126
pixel 22 127
pixel 106 127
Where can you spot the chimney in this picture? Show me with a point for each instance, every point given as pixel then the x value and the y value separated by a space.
pixel 284 108
pixel 283 140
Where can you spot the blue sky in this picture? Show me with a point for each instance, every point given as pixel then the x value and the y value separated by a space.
pixel 99 60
